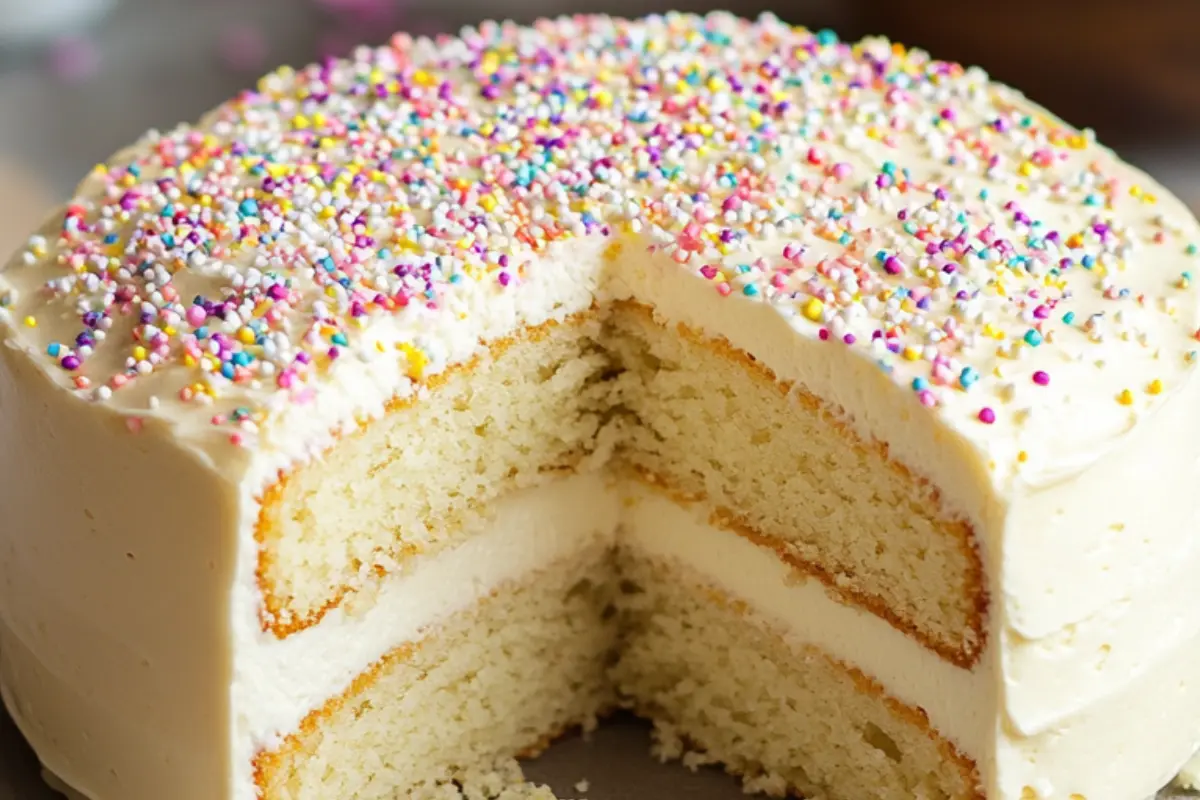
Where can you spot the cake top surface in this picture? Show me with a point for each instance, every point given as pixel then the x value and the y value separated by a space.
pixel 996 262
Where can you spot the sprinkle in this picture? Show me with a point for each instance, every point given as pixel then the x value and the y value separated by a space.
pixel 327 205
pixel 1125 398
pixel 1155 387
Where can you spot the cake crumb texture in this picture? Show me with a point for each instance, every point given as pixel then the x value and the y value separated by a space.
pixel 420 478
pixel 709 421
pixel 726 688
pixel 492 682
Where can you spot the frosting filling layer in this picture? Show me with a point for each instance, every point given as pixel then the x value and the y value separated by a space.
pixel 277 682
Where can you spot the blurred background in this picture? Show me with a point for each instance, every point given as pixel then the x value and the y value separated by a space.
pixel 80 78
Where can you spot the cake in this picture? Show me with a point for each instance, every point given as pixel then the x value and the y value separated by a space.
pixel 829 405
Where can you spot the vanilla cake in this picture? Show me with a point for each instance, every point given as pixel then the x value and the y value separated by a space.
pixel 831 406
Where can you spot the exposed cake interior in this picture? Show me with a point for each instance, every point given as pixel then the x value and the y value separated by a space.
pixel 622 400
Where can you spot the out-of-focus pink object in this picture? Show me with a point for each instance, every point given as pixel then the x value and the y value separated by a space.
pixel 243 48
pixel 73 58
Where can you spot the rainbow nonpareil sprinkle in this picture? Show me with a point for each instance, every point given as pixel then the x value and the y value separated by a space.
pixel 889 201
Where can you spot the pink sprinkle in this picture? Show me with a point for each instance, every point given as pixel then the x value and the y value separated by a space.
pixel 708 271
pixel 842 170
pixel 987 416
pixel 849 338
pixel 1041 378
pixel 927 398
pixel 196 316
pixel 724 289
pixel 823 334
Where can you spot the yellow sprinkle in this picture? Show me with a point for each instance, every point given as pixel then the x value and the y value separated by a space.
pixel 30 322
pixel 1026 169
pixel 911 353
pixel 813 309
pixel 245 335
pixel 1022 456
pixel 1125 398
pixel 300 122
pixel 488 202
pixel 417 360
pixel 1155 387
pixel 139 353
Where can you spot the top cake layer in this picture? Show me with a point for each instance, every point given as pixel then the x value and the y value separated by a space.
pixel 1035 293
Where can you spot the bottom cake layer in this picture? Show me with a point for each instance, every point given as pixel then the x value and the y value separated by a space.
pixel 500 679
pixel 725 685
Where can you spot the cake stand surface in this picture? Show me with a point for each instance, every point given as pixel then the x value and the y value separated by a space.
pixel 56 123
